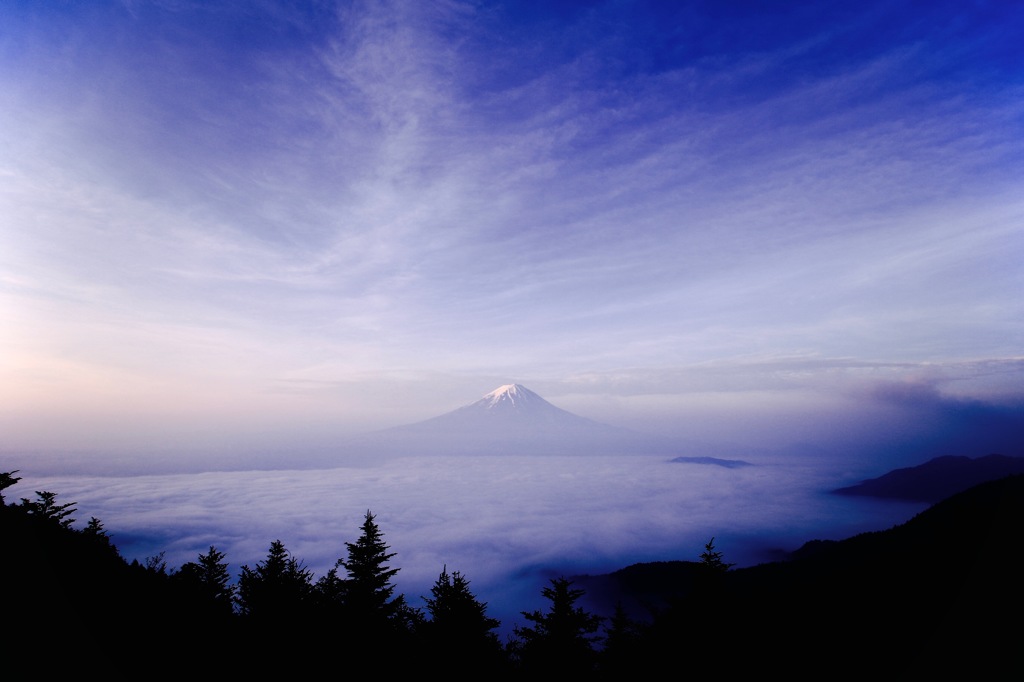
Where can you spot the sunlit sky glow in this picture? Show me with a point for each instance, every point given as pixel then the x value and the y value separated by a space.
pixel 224 224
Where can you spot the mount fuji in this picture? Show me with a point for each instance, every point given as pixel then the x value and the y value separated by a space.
pixel 512 419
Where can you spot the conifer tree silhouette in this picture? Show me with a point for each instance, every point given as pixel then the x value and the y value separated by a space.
pixel 46 507
pixel 561 641
pixel 208 578
pixel 711 558
pixel 368 589
pixel 459 635
pixel 371 617
pixel 7 479
pixel 622 645
pixel 454 609
pixel 278 588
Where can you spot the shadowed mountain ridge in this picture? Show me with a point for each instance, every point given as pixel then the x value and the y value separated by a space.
pixel 934 597
pixel 936 479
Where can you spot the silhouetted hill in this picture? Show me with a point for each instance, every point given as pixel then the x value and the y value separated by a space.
pixel 939 595
pixel 936 479
pixel 640 589
pixel 72 604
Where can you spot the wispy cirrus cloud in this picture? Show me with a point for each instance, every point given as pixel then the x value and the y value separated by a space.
pixel 241 197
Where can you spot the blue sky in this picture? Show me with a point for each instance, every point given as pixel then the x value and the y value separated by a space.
pixel 225 223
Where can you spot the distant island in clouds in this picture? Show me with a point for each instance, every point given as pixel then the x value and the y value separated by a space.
pixel 727 463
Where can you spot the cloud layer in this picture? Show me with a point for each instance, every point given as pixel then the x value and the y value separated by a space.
pixel 506 523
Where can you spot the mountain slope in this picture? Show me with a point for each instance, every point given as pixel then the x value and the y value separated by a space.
pixel 508 410
pixel 514 420
pixel 937 597
pixel 937 478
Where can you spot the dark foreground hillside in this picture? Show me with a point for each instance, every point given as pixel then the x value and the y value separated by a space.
pixel 937 596
pixel 940 596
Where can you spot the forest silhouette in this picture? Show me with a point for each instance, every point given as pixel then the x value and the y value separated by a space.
pixel 939 595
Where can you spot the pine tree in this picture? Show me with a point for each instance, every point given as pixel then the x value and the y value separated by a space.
pixel 94 530
pixel 7 479
pixel 208 578
pixel 368 588
pixel 459 633
pixel 329 592
pixel 454 610
pixel 622 642
pixel 370 618
pixel 561 641
pixel 157 565
pixel 46 507
pixel 277 589
pixel 711 559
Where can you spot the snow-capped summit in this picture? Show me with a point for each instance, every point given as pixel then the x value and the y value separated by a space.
pixel 511 395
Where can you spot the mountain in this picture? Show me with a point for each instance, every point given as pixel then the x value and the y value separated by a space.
pixel 512 419
pixel 937 478
pixel 509 410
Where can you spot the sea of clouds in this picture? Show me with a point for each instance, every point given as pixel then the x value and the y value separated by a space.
pixel 507 523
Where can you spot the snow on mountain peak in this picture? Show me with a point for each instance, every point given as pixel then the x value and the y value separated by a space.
pixel 512 395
